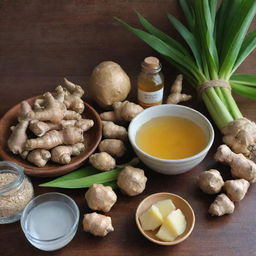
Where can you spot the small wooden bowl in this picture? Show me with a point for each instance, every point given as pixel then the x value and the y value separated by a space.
pixel 180 203
pixel 93 138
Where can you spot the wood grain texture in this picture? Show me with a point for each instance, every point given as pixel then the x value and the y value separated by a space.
pixel 41 41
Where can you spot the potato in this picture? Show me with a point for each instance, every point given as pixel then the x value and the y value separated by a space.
pixel 109 83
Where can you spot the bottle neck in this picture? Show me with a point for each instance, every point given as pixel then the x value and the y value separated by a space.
pixel 149 70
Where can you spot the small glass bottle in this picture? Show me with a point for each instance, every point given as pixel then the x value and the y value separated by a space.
pixel 150 83
pixel 16 191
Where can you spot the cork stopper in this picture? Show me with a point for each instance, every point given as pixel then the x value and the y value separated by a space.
pixel 151 64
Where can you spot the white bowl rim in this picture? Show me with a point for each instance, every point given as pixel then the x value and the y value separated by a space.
pixel 182 160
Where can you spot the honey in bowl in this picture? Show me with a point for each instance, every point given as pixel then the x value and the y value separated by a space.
pixel 171 138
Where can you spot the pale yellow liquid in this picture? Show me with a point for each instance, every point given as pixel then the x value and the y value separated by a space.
pixel 171 137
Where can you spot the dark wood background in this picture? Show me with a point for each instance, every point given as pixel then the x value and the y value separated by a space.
pixel 43 41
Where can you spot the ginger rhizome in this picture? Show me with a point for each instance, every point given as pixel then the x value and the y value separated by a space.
pixel 240 136
pixel 115 148
pixel 102 161
pixel 123 111
pixel 56 121
pixel 241 167
pixel 236 189
pixel 100 197
pixel 175 93
pixel 221 205
pixel 97 224
pixel 62 154
pixel 39 157
pixel 114 131
pixel 131 181
pixel 210 182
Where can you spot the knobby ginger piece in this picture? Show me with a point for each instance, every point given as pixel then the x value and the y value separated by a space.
pixel 39 157
pixel 236 189
pixel 97 224
pixel 102 161
pixel 114 147
pixel 114 131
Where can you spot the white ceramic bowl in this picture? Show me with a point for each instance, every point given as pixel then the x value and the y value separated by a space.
pixel 165 166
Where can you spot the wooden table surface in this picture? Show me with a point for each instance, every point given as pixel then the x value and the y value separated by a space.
pixel 43 41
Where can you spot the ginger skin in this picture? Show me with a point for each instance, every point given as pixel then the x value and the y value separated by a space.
pixel 97 224
pixel 18 137
pixel 210 182
pixel 131 181
pixel 115 148
pixel 221 205
pixel 39 157
pixel 240 136
pixel 39 128
pixel 241 167
pixel 175 93
pixel 62 154
pixel 72 98
pixel 102 161
pixel 100 197
pixel 123 111
pixel 113 131
pixel 236 189
pixel 68 136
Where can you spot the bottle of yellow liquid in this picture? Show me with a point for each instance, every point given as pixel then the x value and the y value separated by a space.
pixel 150 83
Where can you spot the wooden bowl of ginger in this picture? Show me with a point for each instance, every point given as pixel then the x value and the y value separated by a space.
pixel 180 205
pixel 93 137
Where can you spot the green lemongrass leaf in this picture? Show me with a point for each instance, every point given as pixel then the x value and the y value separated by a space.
pixel 85 182
pixel 188 13
pixel 213 8
pixel 161 35
pixel 247 47
pixel 189 38
pixel 244 79
pixel 235 35
pixel 166 50
pixel 243 90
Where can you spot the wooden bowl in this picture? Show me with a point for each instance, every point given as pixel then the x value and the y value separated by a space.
pixel 180 203
pixel 93 138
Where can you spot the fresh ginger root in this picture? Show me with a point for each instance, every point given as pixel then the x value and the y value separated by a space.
pixel 115 148
pixel 175 93
pixel 39 157
pixel 18 137
pixel 100 197
pixel 97 224
pixel 68 136
pixel 131 181
pixel 123 111
pixel 102 161
pixel 113 131
pixel 240 136
pixel 39 128
pixel 241 167
pixel 210 182
pixel 72 98
pixel 236 189
pixel 62 154
pixel 221 205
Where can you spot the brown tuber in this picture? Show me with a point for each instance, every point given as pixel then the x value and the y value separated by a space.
pixel 39 157
pixel 115 148
pixel 175 93
pixel 102 161
pixel 131 181
pixel 114 131
pixel 62 154
pixel 97 224
pixel 109 83
pixel 210 182
pixel 123 111
pixel 241 167
pixel 236 189
pixel 221 205
pixel 240 136
pixel 100 197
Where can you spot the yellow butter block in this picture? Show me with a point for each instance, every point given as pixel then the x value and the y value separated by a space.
pixel 165 207
pixel 165 234
pixel 151 219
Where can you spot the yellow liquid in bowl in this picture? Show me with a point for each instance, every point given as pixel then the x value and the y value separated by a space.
pixel 171 137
